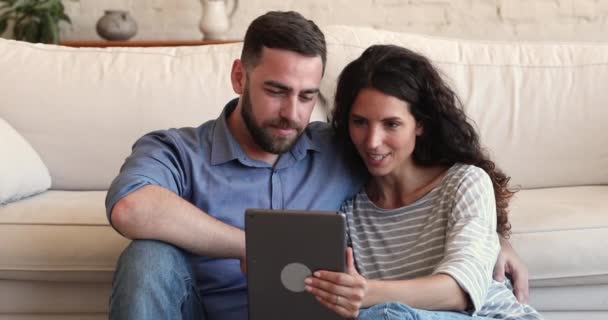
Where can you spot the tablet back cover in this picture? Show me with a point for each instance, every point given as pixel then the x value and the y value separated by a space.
pixel 282 245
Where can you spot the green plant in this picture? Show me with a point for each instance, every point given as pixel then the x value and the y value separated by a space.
pixel 33 20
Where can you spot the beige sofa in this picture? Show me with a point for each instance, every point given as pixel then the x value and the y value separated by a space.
pixel 540 109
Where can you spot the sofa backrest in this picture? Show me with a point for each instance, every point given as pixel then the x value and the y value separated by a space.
pixel 541 108
pixel 82 108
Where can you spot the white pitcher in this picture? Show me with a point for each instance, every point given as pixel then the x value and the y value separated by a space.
pixel 216 19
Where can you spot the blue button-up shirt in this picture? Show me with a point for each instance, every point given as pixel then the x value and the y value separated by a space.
pixel 207 167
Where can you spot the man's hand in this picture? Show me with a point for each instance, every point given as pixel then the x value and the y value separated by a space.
pixel 509 263
pixel 340 292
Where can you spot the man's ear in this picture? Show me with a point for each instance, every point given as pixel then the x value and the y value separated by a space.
pixel 237 76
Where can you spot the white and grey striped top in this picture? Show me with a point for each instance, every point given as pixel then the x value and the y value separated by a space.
pixel 450 230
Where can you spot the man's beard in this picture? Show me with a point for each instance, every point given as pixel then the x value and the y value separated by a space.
pixel 261 134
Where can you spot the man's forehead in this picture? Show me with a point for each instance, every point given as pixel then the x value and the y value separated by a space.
pixel 272 56
pixel 278 67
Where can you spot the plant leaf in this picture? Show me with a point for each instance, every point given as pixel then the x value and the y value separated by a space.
pixel 20 4
pixel 46 5
pixel 27 29
pixel 6 16
pixel 35 20
pixel 3 25
pixel 65 18
pixel 49 31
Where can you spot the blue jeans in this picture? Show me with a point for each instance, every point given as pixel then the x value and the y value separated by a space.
pixel 399 311
pixel 153 280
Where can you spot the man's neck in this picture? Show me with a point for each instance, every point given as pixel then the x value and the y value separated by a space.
pixel 241 133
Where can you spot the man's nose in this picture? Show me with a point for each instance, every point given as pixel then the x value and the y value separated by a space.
pixel 289 110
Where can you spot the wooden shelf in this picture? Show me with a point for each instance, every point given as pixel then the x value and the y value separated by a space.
pixel 142 43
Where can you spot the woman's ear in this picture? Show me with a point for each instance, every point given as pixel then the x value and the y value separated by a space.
pixel 419 128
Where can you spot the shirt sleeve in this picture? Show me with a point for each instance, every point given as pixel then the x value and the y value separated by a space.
pixel 155 160
pixel 472 243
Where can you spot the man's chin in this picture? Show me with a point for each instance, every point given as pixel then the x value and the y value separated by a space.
pixel 280 145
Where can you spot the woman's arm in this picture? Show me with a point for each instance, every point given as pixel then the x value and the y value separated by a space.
pixel 345 293
pixel 464 273
pixel 435 292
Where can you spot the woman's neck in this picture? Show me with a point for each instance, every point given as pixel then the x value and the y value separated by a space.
pixel 404 188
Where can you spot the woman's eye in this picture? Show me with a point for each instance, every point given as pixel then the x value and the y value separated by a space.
pixel 392 125
pixel 358 122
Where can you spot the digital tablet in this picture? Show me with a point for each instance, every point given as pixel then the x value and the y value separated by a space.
pixel 283 248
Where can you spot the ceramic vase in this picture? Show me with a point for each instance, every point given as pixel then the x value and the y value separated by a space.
pixel 116 25
pixel 215 21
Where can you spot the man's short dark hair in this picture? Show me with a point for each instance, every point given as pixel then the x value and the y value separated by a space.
pixel 283 30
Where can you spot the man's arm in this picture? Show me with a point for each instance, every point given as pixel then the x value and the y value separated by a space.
pixel 153 212
pixel 509 263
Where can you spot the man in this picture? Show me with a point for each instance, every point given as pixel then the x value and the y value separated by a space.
pixel 186 189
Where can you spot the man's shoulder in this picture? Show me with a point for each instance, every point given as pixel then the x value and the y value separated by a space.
pixel 191 136
pixel 321 133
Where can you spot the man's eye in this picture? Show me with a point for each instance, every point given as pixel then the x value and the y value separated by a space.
pixel 306 98
pixel 273 92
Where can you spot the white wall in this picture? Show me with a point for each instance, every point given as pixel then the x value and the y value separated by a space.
pixel 486 19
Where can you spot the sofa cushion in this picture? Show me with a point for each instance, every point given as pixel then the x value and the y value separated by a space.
pixel 561 234
pixel 22 171
pixel 58 236
pixel 522 97
pixel 91 104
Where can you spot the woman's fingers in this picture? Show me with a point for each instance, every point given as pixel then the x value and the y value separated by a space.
pixel 338 278
pixel 338 291
pixel 338 306
pixel 350 262
pixel 342 284
pixel 329 292
pixel 349 298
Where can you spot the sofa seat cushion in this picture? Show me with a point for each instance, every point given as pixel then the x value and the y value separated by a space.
pixel 58 236
pixel 561 234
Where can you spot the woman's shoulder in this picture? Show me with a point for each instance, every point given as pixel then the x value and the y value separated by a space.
pixel 465 180
pixel 461 174
pixel 355 201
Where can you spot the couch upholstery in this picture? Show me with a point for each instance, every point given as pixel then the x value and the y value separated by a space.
pixel 539 107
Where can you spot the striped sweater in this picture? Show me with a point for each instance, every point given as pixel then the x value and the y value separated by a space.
pixel 450 230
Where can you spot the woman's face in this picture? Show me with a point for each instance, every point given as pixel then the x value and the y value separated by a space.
pixel 384 132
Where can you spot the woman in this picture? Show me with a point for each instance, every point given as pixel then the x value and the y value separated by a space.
pixel 423 229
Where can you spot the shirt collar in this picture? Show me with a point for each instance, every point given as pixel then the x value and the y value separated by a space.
pixel 225 148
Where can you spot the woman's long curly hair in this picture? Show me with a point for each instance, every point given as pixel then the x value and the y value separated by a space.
pixel 447 136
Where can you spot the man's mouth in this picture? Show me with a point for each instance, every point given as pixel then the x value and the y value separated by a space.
pixel 284 130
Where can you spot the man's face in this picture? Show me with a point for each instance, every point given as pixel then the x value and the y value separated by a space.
pixel 278 98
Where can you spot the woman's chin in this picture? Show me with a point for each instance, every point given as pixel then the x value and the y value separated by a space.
pixel 377 172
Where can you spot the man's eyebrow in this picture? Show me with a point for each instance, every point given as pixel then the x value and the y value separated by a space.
pixel 277 85
pixel 283 87
pixel 310 91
